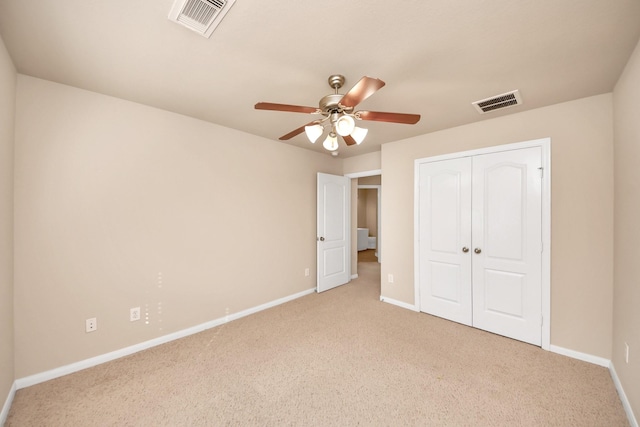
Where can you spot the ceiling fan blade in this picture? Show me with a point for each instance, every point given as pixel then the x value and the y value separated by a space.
pixel 378 116
pixel 366 87
pixel 296 131
pixel 349 140
pixel 285 107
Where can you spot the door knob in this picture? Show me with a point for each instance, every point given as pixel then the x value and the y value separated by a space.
pixel 322 239
pixel 465 249
pixel 477 250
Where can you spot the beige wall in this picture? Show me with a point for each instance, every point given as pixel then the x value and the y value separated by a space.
pixel 372 212
pixel 367 209
pixel 363 163
pixel 626 302
pixel 581 210
pixel 120 205
pixel 362 207
pixel 7 115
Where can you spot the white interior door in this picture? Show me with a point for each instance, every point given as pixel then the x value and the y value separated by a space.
pixel 507 243
pixel 333 231
pixel 445 239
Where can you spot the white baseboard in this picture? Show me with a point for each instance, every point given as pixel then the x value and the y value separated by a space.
pixel 600 361
pixel 623 397
pixel 7 404
pixel 354 276
pixel 398 303
pixel 94 361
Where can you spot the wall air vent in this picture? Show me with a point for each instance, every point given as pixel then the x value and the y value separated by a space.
pixel 505 100
pixel 201 16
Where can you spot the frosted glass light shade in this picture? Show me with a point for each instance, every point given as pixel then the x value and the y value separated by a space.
pixel 331 143
pixel 345 125
pixel 359 134
pixel 313 132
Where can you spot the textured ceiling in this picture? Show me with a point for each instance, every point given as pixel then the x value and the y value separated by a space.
pixel 435 56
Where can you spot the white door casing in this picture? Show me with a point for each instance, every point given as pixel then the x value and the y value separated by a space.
pixel 445 239
pixel 333 231
pixel 511 230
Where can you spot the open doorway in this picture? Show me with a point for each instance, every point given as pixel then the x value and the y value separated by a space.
pixel 357 179
pixel 367 227
pixel 368 219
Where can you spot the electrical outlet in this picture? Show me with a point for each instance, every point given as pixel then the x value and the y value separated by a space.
pixel 134 314
pixel 626 352
pixel 390 278
pixel 91 324
pixel 306 272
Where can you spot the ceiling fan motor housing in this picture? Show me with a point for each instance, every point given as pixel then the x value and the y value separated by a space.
pixel 331 104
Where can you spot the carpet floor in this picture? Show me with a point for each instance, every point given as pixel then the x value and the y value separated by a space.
pixel 368 255
pixel 338 358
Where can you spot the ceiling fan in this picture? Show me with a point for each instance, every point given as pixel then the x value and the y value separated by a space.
pixel 339 117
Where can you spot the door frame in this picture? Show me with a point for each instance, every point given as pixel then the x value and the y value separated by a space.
pixel 378 189
pixel 363 174
pixel 545 146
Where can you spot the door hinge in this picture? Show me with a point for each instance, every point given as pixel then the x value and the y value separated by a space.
pixel 541 169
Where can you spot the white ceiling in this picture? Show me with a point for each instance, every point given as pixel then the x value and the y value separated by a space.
pixel 436 56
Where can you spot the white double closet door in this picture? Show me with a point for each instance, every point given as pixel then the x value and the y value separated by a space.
pixel 480 241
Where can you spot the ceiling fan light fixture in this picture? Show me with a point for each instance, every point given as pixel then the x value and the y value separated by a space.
pixel 359 134
pixel 338 112
pixel 331 143
pixel 313 132
pixel 345 125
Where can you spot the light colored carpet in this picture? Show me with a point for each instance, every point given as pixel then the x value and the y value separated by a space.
pixel 368 255
pixel 337 358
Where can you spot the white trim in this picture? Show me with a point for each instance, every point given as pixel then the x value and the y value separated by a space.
pixel 354 276
pixel 545 145
pixel 7 404
pixel 94 361
pixel 487 150
pixel 596 360
pixel 623 397
pixel 363 174
pixel 399 303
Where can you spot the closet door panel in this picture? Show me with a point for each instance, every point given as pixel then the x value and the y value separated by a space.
pixel 506 236
pixel 444 230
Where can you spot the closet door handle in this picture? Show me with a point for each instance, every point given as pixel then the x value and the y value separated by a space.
pixel 465 249
pixel 477 250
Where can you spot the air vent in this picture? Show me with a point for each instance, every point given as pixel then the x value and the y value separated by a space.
pixel 201 16
pixel 498 102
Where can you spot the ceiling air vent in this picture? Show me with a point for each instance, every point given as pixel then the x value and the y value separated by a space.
pixel 497 102
pixel 201 16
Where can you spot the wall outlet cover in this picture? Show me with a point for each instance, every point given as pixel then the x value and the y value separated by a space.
pixel 91 324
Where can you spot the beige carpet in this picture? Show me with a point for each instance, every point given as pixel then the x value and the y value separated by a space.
pixel 336 358
pixel 368 255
